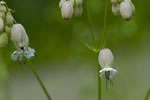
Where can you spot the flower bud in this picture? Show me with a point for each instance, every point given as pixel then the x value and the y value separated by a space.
pixel 116 9
pixel 3 40
pixel 126 10
pixel 105 58
pixel 3 8
pixel 1 25
pixel 9 19
pixel 67 10
pixel 8 29
pixel 78 2
pixel 2 15
pixel 78 11
pixel 19 36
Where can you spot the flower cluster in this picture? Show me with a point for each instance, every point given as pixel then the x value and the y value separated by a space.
pixel 6 23
pixel 70 8
pixel 17 32
pixel 124 8
pixel 105 60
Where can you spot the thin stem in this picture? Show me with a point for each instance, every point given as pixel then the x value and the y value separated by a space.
pixel 147 95
pixel 99 84
pixel 91 24
pixel 104 26
pixel 39 80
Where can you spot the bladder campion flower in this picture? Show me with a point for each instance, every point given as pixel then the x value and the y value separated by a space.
pixel 127 9
pixel 21 41
pixel 106 59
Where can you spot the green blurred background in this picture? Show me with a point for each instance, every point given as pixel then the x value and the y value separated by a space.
pixel 66 66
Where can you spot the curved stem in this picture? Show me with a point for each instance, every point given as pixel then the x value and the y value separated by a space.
pixel 91 24
pixel 102 44
pixel 39 80
pixel 99 84
pixel 147 95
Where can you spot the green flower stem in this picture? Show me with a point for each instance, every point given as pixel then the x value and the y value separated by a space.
pixel 147 95
pixel 91 24
pixel 102 44
pixel 99 84
pixel 39 80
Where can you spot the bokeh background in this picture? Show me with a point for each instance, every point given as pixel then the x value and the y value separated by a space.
pixel 66 66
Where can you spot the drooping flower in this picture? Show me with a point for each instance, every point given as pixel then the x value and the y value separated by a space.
pixel 21 41
pixel 105 60
pixel 116 9
pixel 127 9
pixel 67 9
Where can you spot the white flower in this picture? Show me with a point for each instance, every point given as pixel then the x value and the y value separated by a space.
pixel 1 25
pixel 19 55
pixel 3 7
pixel 106 60
pixel 19 36
pixel 127 9
pixel 67 10
pixel 105 57
pixel 109 72
pixel 21 41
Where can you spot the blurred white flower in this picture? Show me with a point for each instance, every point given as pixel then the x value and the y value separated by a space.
pixel 67 9
pixel 18 55
pixel 21 41
pixel 106 60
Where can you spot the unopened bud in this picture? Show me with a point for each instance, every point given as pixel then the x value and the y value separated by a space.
pixel 9 19
pixel 3 8
pixel 1 25
pixel 126 10
pixel 8 29
pixel 105 58
pixel 78 11
pixel 2 15
pixel 19 36
pixel 116 9
pixel 78 2
pixel 3 40
pixel 67 10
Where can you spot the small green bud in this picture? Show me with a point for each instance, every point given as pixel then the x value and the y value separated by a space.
pixel 3 7
pixel 3 40
pixel 2 15
pixel 8 29
pixel 9 19
pixel 1 25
